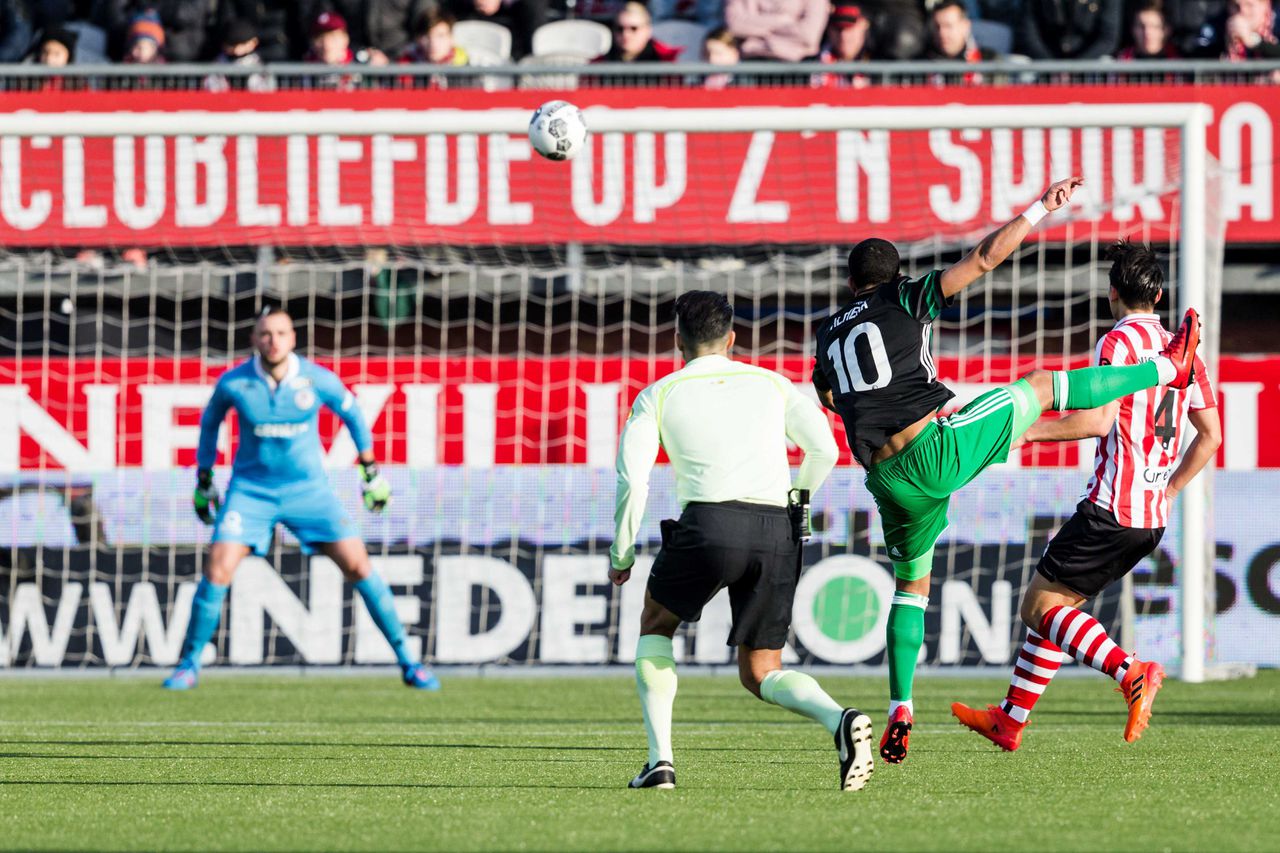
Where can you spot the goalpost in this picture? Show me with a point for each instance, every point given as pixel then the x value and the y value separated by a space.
pixel 595 315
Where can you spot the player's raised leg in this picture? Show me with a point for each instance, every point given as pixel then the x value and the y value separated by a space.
pixel 206 611
pixel 761 672
pixel 656 686
pixel 352 558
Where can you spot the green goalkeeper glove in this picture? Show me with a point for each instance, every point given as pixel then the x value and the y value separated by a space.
pixel 206 499
pixel 374 488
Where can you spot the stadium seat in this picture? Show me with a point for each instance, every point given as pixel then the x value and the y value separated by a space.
pixel 482 57
pixel 993 35
pixel 585 39
pixel 685 35
pixel 491 38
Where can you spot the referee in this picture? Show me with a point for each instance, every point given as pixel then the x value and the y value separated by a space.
pixel 725 426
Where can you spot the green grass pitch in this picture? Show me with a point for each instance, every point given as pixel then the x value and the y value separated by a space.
pixel 361 763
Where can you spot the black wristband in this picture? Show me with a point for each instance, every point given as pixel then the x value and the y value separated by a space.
pixel 204 478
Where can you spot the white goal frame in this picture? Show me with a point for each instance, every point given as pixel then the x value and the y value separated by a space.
pixel 1190 119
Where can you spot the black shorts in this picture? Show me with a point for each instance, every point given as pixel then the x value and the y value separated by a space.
pixel 1092 550
pixel 745 547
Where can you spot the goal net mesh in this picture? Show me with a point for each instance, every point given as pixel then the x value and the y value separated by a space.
pixel 496 367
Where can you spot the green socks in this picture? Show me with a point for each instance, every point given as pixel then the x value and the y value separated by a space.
pixel 904 637
pixel 1090 387
pixel 656 684
pixel 799 693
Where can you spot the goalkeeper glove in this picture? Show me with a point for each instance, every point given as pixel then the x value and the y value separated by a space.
pixel 206 499
pixel 374 488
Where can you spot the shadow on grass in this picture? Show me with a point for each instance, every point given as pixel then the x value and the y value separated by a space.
pixel 369 745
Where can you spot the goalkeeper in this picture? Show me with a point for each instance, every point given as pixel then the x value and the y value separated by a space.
pixel 278 476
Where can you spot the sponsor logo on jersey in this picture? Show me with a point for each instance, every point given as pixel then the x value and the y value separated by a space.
pixel 304 398
pixel 280 430
pixel 1157 477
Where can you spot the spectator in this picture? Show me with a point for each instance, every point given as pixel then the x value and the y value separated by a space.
pixel 239 47
pixel 897 28
pixel 433 42
pixel 145 40
pixel 848 40
pixel 55 47
pixel 1194 25
pixel 1070 29
pixel 633 38
pixel 330 42
pixel 281 26
pixel 786 30
pixel 1152 36
pixel 951 35
pixel 378 29
pixel 720 47
pixel 521 17
pixel 1251 31
pixel 15 33
pixel 188 26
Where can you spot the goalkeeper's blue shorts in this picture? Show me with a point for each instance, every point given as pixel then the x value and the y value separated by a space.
pixel 309 509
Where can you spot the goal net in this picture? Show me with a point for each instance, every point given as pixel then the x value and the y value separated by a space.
pixel 495 314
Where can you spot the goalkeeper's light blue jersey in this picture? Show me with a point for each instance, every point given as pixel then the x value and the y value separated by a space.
pixel 279 425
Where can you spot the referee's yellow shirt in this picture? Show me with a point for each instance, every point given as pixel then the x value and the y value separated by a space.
pixel 725 427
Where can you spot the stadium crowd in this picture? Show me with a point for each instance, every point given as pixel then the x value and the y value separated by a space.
pixel 722 32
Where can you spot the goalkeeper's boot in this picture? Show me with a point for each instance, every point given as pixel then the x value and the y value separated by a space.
pixel 660 775
pixel 184 677
pixel 1182 350
pixel 419 677
pixel 993 724
pixel 1140 686
pixel 896 737
pixel 853 742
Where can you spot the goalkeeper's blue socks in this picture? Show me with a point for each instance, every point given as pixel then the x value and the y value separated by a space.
pixel 206 611
pixel 382 607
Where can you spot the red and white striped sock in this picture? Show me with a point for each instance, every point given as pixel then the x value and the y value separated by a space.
pixel 1035 667
pixel 1083 637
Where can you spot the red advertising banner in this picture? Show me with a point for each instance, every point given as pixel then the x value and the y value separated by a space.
pixel 99 416
pixel 641 188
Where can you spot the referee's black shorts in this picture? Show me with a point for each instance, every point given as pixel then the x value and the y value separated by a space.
pixel 1092 550
pixel 746 547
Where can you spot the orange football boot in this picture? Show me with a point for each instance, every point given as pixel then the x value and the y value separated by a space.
pixel 1140 686
pixel 897 734
pixel 993 724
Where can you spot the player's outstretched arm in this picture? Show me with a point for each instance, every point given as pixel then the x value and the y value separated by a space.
pixel 1202 450
pixel 637 453
pixel 1002 242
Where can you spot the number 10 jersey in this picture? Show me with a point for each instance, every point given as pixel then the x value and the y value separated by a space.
pixel 874 355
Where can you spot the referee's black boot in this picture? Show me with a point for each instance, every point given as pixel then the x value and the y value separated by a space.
pixel 660 775
pixel 853 742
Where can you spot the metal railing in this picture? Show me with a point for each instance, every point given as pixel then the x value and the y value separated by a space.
pixel 568 75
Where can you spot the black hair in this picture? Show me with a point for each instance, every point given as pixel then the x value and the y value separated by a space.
pixel 948 4
pixel 872 263
pixel 703 317
pixel 1135 274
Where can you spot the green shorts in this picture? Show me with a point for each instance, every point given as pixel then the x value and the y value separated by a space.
pixel 913 488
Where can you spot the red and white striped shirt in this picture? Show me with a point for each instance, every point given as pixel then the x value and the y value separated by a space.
pixel 1135 460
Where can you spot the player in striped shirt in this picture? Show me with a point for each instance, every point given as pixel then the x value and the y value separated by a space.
pixel 1120 518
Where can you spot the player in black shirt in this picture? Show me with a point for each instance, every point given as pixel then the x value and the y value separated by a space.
pixel 873 367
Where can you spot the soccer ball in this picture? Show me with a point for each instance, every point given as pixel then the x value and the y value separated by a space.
pixel 557 130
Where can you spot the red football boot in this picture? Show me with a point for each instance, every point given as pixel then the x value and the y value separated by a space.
pixel 897 734
pixel 993 724
pixel 1182 350
pixel 1140 686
